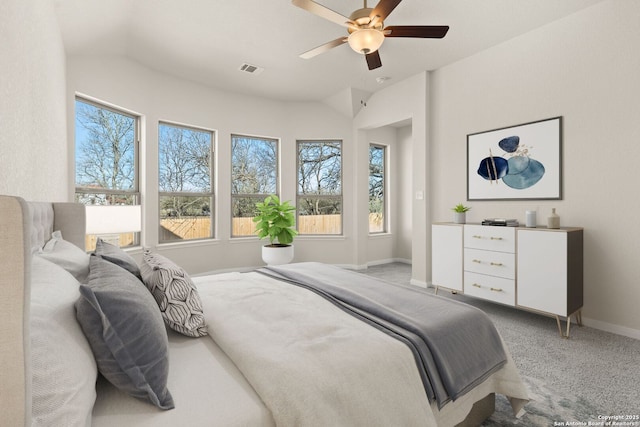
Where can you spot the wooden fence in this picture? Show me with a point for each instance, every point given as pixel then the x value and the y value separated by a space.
pixel 187 228
pixel 200 227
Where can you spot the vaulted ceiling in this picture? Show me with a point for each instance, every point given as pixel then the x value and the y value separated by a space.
pixel 207 41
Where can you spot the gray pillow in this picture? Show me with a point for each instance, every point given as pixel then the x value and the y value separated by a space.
pixel 175 294
pixel 117 256
pixel 125 331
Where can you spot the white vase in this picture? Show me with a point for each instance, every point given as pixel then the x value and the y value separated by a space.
pixel 553 221
pixel 460 217
pixel 531 220
pixel 277 254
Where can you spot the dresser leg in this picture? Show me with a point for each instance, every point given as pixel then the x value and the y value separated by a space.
pixel 562 334
pixel 578 315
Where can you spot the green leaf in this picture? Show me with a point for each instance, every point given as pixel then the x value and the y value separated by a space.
pixel 275 220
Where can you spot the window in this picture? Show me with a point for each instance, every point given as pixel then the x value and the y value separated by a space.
pixel 254 175
pixel 377 187
pixel 106 159
pixel 319 199
pixel 185 183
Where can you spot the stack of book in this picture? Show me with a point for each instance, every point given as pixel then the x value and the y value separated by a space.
pixel 501 222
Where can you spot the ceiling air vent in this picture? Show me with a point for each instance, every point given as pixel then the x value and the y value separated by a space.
pixel 251 69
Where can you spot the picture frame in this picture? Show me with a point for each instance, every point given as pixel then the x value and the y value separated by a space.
pixel 521 162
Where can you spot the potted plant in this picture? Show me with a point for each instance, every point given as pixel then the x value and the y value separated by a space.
pixel 275 221
pixel 460 213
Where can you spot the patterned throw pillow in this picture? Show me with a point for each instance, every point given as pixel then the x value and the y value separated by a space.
pixel 175 294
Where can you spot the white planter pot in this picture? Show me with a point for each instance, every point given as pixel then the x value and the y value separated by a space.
pixel 460 217
pixel 276 255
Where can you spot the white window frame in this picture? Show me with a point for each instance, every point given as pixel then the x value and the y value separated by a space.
pixel 210 194
pixel 339 196
pixel 257 197
pixel 86 191
pixel 385 187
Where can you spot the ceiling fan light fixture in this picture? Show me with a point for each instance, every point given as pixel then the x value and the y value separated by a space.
pixel 366 40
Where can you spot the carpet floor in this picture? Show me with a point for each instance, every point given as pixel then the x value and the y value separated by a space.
pixel 573 381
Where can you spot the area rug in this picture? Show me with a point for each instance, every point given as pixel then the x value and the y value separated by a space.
pixel 545 408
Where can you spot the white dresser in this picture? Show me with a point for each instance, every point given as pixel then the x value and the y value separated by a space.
pixel 536 269
pixel 490 263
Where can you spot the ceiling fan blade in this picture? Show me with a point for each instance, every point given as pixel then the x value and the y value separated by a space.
pixel 384 8
pixel 321 11
pixel 420 31
pixel 323 48
pixel 373 60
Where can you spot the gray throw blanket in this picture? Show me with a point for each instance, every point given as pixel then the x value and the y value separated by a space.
pixel 456 346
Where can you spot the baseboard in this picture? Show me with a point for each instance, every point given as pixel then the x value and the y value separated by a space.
pixel 419 283
pixel 356 267
pixel 359 267
pixel 226 270
pixel 389 261
pixel 610 327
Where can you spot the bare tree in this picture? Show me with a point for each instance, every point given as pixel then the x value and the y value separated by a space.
pixel 105 151
pixel 319 177
pixel 254 166
pixel 376 179
pixel 185 160
pixel 184 171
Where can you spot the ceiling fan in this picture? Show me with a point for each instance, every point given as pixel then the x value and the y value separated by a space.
pixel 366 29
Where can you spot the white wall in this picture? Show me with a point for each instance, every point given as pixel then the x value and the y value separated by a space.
pixel 402 101
pixel 33 134
pixel 585 68
pixel 402 195
pixel 157 96
pixel 395 244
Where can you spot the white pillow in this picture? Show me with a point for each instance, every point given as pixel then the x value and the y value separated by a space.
pixel 51 244
pixel 66 255
pixel 63 368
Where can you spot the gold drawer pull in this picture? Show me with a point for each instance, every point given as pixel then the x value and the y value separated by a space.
pixel 497 264
pixel 496 289
pixel 477 261
pixel 476 285
pixel 476 236
pixel 496 238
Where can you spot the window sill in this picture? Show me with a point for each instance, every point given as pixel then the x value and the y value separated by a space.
pixel 326 237
pixel 247 239
pixel 192 243
pixel 386 235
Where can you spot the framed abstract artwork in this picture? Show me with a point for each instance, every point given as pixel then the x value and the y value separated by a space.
pixel 522 162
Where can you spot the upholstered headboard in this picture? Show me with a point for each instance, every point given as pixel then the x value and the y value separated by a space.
pixel 23 228
pixel 45 218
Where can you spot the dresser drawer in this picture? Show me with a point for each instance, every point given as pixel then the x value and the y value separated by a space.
pixel 500 239
pixel 490 288
pixel 492 263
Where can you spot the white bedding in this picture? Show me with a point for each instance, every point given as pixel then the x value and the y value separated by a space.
pixel 285 340
pixel 207 388
pixel 210 390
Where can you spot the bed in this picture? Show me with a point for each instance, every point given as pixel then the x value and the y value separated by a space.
pixel 274 347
